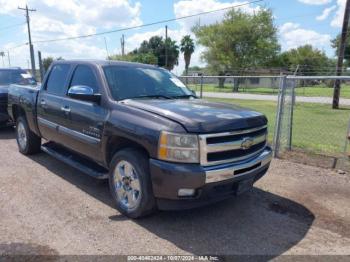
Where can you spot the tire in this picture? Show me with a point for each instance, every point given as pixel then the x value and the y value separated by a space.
pixel 130 183
pixel 28 142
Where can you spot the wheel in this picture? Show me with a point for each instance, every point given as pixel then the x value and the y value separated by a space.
pixel 28 142
pixel 130 183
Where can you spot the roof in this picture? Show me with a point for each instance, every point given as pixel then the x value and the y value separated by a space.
pixel 104 63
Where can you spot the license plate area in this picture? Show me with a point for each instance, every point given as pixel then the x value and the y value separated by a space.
pixel 244 186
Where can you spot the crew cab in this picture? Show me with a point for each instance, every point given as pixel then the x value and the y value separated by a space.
pixel 10 76
pixel 140 127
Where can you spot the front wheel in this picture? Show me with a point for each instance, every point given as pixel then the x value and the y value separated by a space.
pixel 28 142
pixel 130 183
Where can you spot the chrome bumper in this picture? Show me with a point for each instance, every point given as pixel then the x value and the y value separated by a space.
pixel 240 169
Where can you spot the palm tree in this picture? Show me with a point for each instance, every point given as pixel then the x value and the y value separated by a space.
pixel 187 47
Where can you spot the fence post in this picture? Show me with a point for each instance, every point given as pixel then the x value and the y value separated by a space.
pixel 41 69
pixel 201 91
pixel 279 115
pixel 291 114
pixel 347 139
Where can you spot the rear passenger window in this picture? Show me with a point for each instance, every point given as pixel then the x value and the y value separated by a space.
pixel 57 79
pixel 83 75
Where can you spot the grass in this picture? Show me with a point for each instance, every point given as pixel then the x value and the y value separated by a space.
pixel 319 90
pixel 316 127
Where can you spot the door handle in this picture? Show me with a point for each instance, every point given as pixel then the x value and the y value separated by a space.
pixel 42 102
pixel 65 109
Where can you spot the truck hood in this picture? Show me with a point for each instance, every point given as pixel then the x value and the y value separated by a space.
pixel 200 116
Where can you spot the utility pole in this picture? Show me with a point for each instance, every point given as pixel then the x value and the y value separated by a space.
pixel 8 57
pixel 41 68
pixel 341 52
pixel 2 54
pixel 166 47
pixel 31 49
pixel 122 43
pixel 106 48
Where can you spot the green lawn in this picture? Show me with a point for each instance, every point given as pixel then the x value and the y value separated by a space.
pixel 316 127
pixel 319 90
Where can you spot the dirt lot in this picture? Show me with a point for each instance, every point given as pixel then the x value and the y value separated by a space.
pixel 47 207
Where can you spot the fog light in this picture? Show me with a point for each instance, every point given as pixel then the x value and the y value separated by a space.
pixel 186 192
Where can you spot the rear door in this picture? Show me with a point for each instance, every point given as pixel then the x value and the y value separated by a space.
pixel 50 101
pixel 86 119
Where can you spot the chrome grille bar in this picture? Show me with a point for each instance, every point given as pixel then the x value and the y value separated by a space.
pixel 219 147
pixel 234 144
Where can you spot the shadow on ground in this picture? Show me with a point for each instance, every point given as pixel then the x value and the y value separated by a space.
pixel 259 222
pixel 7 133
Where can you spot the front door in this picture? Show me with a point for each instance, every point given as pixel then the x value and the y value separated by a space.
pixel 86 119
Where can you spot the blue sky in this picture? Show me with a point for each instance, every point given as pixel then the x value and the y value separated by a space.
pixel 299 21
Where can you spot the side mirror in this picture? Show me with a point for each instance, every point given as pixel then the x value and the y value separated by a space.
pixel 193 92
pixel 84 93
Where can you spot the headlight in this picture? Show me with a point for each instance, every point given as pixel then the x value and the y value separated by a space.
pixel 178 147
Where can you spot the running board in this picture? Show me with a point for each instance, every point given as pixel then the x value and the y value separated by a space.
pixel 74 160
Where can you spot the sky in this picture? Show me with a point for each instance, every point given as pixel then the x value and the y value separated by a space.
pixel 299 22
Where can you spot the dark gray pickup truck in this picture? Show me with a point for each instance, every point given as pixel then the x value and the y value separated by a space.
pixel 143 129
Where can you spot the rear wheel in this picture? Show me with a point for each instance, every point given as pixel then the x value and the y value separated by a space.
pixel 130 183
pixel 28 142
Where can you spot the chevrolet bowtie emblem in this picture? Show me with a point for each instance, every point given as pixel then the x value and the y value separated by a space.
pixel 247 143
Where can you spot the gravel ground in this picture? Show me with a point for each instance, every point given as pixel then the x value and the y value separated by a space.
pixel 47 207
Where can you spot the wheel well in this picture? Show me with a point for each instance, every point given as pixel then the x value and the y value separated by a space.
pixel 117 143
pixel 17 111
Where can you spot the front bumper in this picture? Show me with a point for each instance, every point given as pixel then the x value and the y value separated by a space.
pixel 212 183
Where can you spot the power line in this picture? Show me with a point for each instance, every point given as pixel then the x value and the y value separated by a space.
pixel 11 26
pixel 145 25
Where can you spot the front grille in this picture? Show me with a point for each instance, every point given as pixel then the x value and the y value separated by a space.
pixel 232 146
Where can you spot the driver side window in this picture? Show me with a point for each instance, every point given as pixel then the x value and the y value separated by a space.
pixel 84 75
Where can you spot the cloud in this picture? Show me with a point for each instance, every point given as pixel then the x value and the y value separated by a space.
pixel 190 7
pixel 326 12
pixel 68 18
pixel 185 8
pixel 10 6
pixel 98 13
pixel 74 49
pixel 337 20
pixel 292 36
pixel 315 2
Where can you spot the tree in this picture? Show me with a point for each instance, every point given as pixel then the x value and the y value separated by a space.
pixel 156 45
pixel 309 60
pixel 145 58
pixel 187 48
pixel 47 61
pixel 335 44
pixel 239 42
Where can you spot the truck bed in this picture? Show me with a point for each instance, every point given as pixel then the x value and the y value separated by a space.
pixel 24 97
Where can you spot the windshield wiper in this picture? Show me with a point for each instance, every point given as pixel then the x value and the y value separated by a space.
pixel 149 96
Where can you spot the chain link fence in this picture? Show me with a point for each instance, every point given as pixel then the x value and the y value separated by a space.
pixel 310 130
pixel 302 122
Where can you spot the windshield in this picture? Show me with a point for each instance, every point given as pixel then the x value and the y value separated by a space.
pixel 142 82
pixel 20 77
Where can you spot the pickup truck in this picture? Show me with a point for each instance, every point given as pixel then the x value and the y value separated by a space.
pixel 140 127
pixel 10 76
